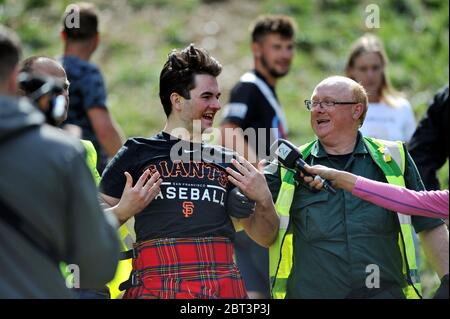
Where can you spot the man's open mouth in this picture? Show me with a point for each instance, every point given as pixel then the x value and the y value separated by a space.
pixel 322 121
pixel 208 116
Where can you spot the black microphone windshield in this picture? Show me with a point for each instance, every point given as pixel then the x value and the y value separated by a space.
pixel 286 153
pixel 290 157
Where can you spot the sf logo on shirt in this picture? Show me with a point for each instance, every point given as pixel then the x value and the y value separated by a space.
pixel 188 209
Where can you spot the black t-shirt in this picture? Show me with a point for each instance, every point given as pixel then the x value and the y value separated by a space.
pixel 193 191
pixel 249 108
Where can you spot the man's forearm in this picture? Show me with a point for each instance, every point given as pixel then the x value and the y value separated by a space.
pixel 262 226
pixel 435 245
pixel 110 210
pixel 111 142
pixel 106 129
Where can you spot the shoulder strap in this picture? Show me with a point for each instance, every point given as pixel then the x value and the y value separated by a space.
pixel 305 149
pixel 267 92
pixel 389 152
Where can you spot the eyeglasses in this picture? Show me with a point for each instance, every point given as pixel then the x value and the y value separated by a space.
pixel 325 104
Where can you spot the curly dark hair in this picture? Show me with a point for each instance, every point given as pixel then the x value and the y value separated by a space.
pixel 178 73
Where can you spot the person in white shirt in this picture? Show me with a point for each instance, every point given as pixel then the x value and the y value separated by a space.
pixel 390 116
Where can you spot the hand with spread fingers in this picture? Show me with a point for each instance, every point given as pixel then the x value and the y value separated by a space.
pixel 135 198
pixel 250 180
pixel 262 225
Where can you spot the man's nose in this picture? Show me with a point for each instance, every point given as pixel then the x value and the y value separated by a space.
pixel 287 53
pixel 319 109
pixel 215 104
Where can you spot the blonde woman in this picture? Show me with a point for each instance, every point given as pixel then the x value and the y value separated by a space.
pixel 389 117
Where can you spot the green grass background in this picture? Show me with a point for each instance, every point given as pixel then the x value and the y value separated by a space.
pixel 137 35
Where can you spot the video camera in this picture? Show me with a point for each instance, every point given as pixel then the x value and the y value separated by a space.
pixel 46 93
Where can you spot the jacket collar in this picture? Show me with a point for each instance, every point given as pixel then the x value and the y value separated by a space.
pixel 318 150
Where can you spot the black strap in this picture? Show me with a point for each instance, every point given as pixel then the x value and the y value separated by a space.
pixel 124 255
pixel 133 281
pixel 27 231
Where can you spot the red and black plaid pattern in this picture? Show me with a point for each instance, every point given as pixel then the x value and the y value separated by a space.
pixel 186 268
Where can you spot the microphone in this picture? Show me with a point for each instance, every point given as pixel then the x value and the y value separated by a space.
pixel 289 156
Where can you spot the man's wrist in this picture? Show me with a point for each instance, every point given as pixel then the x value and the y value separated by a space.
pixel 265 203
pixel 119 214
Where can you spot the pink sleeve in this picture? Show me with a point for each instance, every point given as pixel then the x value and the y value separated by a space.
pixel 402 200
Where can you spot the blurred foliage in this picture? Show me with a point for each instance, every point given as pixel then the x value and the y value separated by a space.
pixel 35 4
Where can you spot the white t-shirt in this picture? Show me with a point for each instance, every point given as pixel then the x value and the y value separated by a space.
pixel 390 123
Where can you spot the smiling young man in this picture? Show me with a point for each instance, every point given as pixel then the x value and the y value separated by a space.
pixel 254 108
pixel 184 237
pixel 341 246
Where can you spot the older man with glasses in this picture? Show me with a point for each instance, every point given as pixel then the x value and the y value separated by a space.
pixel 339 246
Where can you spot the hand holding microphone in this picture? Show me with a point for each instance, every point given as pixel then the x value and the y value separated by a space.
pixel 318 174
pixel 289 156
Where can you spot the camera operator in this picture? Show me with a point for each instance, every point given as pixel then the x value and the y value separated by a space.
pixel 45 217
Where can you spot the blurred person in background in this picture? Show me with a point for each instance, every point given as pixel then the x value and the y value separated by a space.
pixel 390 116
pixel 88 107
pixel 430 142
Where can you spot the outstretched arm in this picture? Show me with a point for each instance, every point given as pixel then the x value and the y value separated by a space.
pixel 392 197
pixel 435 246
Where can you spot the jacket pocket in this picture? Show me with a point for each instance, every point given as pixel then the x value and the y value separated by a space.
pixel 312 215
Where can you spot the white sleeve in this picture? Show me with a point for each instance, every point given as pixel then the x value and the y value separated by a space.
pixel 409 121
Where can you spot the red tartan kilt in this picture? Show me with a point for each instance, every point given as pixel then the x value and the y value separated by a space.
pixel 186 268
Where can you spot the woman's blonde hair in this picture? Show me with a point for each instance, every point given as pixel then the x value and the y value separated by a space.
pixel 370 43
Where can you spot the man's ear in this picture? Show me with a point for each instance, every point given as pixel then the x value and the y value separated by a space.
pixel 12 81
pixel 63 35
pixel 256 49
pixel 357 111
pixel 97 39
pixel 176 101
pixel 94 41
